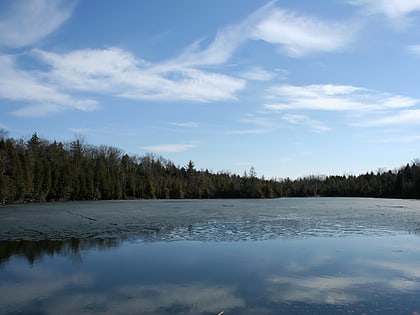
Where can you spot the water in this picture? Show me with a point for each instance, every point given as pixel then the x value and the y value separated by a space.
pixel 283 256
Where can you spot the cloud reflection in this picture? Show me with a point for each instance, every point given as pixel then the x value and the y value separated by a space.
pixel 341 274
pixel 151 299
pixel 298 265
pixel 362 282
pixel 407 269
pixel 319 290
pixel 37 286
pixel 48 292
pixel 334 290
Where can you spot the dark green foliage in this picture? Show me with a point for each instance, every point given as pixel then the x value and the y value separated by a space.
pixel 42 171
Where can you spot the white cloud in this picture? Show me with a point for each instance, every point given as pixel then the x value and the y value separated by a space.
pixel 188 124
pixel 186 84
pixel 45 109
pixel 171 148
pixel 224 45
pixel 26 22
pixel 366 107
pixel 218 52
pixel 90 69
pixel 25 86
pixel 262 125
pixel 393 9
pixel 414 49
pixel 266 124
pixel 402 118
pixel 333 98
pixel 258 121
pixel 113 72
pixel 300 35
pixel 306 121
pixel 117 72
pixel 252 131
pixel 258 74
pixel 401 139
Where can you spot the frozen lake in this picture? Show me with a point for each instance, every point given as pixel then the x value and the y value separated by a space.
pixel 277 256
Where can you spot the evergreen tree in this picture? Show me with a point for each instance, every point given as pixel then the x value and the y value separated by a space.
pixel 39 170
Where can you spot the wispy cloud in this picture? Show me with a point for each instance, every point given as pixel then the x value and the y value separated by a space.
pixel 27 87
pixel 117 72
pixel 90 69
pixel 402 139
pixel 306 121
pixel 171 148
pixel 225 43
pixel 333 98
pixel 250 131
pixel 414 49
pixel 263 122
pixel 113 72
pixel 367 108
pixel 401 118
pixel 300 35
pixel 259 74
pixel 187 124
pixel 393 9
pixel 26 22
pixel 72 79
pixel 254 125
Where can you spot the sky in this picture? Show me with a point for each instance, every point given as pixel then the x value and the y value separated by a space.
pixel 290 88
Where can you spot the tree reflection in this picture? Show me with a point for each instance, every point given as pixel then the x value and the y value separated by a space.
pixel 35 250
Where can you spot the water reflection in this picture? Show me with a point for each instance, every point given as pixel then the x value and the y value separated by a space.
pixel 29 292
pixel 35 250
pixel 372 275
pixel 153 299
pixel 337 290
pixel 48 292
pixel 243 257
pixel 377 275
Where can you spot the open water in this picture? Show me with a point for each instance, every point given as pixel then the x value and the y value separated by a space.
pixel 276 256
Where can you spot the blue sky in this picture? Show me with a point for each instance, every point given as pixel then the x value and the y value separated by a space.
pixel 292 88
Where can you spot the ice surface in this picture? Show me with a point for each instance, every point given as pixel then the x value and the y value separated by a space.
pixel 210 220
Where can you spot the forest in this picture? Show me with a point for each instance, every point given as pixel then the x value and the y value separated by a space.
pixel 39 170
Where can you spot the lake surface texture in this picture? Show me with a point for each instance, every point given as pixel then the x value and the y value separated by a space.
pixel 202 257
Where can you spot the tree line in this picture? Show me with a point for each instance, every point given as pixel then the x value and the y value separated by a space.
pixel 41 170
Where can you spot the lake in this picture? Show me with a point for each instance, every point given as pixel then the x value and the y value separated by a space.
pixel 275 256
